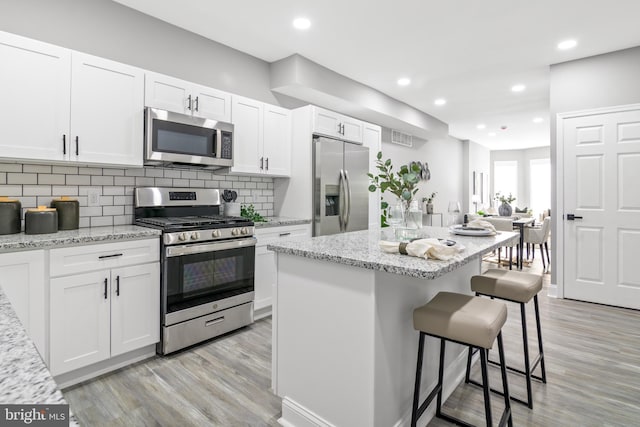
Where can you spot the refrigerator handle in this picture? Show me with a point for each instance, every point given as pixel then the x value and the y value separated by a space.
pixel 342 198
pixel 348 199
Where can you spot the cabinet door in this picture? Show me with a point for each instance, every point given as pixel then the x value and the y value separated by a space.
pixel 135 307
pixel 35 83
pixel 22 280
pixel 79 321
pixel 107 111
pixel 248 135
pixel 326 123
pixel 352 129
pixel 211 103
pixel 166 93
pixel 277 141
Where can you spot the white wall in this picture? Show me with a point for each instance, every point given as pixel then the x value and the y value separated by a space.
pixel 477 158
pixel 445 158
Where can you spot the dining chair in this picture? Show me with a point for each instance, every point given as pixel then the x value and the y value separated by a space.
pixel 539 236
pixel 503 224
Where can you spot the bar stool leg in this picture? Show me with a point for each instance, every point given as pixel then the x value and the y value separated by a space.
pixel 467 374
pixel 505 384
pixel 540 350
pixel 416 390
pixel 440 379
pixel 485 387
pixel 527 366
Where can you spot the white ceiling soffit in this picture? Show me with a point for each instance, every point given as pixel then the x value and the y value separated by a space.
pixel 303 79
pixel 469 52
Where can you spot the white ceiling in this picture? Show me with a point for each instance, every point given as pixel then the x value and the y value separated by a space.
pixel 469 52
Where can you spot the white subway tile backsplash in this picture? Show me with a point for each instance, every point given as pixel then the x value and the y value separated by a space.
pixel 101 221
pixel 101 180
pixel 36 168
pixel 10 167
pixel 37 185
pixel 36 190
pixel 22 178
pixel 78 180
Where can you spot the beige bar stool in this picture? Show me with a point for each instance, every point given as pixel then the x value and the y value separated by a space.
pixel 467 320
pixel 519 287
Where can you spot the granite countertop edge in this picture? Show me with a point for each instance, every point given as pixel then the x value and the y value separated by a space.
pixel 21 241
pixel 422 269
pixel 277 221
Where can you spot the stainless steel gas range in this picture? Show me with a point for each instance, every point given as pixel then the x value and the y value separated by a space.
pixel 207 264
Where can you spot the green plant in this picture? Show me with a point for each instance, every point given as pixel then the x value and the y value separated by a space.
pixel 250 213
pixel 504 199
pixel 402 183
pixel 481 213
pixel 429 200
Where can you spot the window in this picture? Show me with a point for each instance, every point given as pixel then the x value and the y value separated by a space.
pixel 540 184
pixel 505 177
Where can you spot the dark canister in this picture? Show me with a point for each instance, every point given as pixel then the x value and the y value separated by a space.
pixel 41 220
pixel 10 213
pixel 68 212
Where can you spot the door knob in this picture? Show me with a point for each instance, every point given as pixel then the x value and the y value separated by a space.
pixel 571 217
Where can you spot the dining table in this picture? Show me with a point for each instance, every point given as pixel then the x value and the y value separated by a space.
pixel 520 223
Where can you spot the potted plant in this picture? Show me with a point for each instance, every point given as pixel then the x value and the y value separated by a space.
pixel 402 184
pixel 428 201
pixel 505 208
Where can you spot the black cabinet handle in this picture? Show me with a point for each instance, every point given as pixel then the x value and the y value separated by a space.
pixel 77 144
pixel 261 163
pixel 64 144
pixel 267 164
pixel 105 288
pixel 571 217
pixel 109 256
pixel 189 103
pixel 118 285
pixel 284 234
pixel 197 103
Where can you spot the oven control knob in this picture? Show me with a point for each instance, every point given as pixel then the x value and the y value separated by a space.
pixel 195 235
pixel 235 232
pixel 245 231
pixel 215 233
pixel 182 236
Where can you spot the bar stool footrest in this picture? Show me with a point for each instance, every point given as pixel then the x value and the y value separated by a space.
pixel 499 392
pixel 534 365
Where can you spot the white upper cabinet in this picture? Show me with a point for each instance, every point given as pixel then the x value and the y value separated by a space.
pixel 36 94
pixel 336 125
pixel 180 96
pixel 262 138
pixel 107 111
pixel 60 105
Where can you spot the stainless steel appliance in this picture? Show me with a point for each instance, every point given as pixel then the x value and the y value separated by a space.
pixel 340 186
pixel 207 264
pixel 173 138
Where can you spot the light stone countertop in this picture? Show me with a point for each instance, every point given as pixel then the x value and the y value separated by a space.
pixel 361 249
pixel 24 378
pixel 280 221
pixel 21 241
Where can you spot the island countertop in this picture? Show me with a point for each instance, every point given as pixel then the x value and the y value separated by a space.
pixel 361 249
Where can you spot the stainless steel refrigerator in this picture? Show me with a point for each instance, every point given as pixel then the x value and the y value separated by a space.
pixel 340 186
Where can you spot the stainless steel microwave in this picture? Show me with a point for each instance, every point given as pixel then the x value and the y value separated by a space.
pixel 174 138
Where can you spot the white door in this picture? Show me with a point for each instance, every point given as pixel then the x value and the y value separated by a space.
pixel 135 307
pixel 211 103
pixel 247 135
pixel 277 141
pixel 79 316
pixel 601 176
pixel 107 111
pixel 167 93
pixel 35 88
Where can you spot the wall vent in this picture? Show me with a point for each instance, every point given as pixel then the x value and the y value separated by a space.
pixel 401 138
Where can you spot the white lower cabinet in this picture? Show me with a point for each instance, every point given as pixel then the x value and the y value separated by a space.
pixel 265 272
pixel 22 279
pixel 100 314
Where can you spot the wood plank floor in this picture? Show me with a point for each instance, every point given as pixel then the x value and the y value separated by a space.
pixel 592 356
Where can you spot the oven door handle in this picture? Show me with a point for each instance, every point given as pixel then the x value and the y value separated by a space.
pixel 209 247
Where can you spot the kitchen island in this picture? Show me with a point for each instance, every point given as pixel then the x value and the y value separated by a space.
pixel 344 347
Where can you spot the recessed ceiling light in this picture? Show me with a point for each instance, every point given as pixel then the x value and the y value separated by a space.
pixel 481 126
pixel 492 134
pixel 301 23
pixel 440 101
pixel 567 44
pixel 538 120
pixel 518 88
pixel 404 81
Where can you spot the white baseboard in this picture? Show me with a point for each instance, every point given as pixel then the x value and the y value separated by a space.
pixel 263 312
pixel 296 415
pixel 88 372
pixel 553 291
